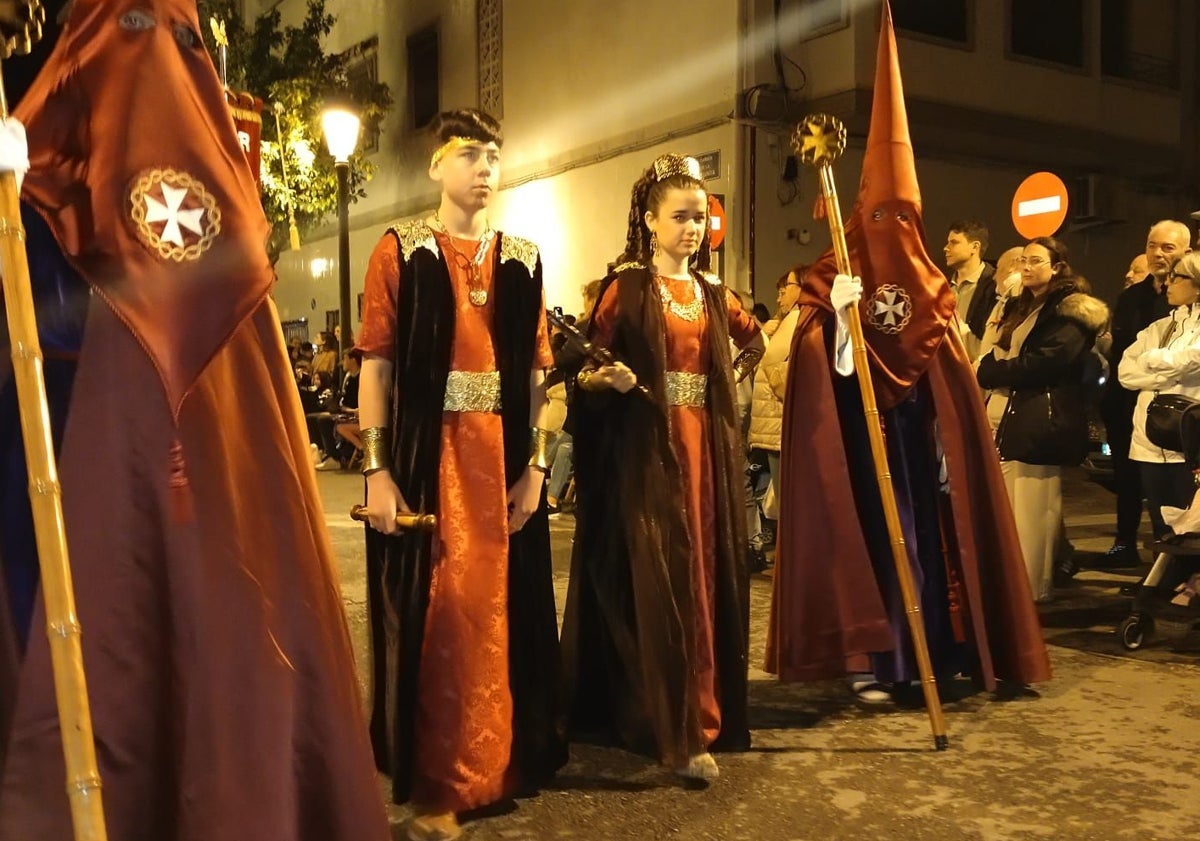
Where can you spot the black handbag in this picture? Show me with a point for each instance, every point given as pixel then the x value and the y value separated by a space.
pixel 1040 427
pixel 1164 420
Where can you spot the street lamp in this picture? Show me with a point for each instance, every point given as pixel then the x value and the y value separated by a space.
pixel 340 126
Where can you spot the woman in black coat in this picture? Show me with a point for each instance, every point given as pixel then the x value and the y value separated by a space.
pixel 1035 364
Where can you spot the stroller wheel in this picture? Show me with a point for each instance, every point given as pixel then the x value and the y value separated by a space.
pixel 1134 631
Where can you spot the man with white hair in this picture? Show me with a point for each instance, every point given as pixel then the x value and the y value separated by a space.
pixel 1141 303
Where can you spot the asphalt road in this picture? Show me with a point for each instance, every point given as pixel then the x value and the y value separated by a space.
pixel 1105 751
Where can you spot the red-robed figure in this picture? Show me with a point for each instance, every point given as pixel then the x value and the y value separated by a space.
pixel 836 606
pixel 221 677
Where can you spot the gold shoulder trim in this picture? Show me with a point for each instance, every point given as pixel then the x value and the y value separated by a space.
pixel 711 278
pixel 414 235
pixel 516 248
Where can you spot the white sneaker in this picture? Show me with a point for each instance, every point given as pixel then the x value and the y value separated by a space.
pixel 330 464
pixel 314 453
pixel 702 766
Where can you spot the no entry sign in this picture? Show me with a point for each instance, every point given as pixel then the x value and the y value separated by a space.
pixel 1039 206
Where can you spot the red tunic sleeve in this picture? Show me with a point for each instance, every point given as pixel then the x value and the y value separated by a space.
pixel 604 317
pixel 742 326
pixel 381 291
pixel 543 356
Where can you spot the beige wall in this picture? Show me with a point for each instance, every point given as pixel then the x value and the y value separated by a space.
pixel 578 219
pixel 588 104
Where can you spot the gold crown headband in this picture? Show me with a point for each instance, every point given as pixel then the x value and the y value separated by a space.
pixel 452 145
pixel 672 164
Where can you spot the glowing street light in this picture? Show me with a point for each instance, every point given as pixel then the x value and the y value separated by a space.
pixel 341 127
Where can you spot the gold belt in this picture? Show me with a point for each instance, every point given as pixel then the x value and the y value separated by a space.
pixel 684 389
pixel 471 391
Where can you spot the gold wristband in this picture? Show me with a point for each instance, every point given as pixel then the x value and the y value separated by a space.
pixel 539 443
pixel 584 379
pixel 376 448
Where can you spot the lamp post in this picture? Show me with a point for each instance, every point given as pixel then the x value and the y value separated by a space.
pixel 340 126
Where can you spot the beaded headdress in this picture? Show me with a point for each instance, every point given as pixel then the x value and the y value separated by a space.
pixel 672 164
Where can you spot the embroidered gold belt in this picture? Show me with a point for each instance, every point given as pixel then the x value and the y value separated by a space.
pixel 684 389
pixel 471 391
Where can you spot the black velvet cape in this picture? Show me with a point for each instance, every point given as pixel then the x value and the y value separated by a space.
pixel 399 568
pixel 628 632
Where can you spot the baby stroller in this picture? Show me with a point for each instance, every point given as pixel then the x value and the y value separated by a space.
pixel 1168 599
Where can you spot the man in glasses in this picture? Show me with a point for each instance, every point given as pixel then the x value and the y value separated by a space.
pixel 973 280
pixel 1140 304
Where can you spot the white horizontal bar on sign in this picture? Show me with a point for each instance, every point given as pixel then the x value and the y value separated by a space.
pixel 1034 207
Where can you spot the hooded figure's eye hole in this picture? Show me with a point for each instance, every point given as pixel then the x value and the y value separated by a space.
pixel 137 20
pixel 186 37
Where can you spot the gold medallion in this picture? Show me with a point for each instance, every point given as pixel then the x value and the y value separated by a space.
pixel 478 297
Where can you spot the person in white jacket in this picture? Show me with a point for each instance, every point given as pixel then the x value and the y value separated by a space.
pixel 766 410
pixel 1165 359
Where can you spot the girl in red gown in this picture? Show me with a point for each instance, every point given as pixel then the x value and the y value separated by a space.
pixel 657 614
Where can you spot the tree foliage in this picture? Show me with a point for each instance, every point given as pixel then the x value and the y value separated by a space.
pixel 289 65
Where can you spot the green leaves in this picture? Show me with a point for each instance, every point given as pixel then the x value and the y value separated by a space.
pixel 289 65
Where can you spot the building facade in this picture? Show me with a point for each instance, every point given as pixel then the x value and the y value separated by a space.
pixel 1101 92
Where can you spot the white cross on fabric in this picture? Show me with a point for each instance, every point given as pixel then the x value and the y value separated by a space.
pixel 173 216
pixel 892 310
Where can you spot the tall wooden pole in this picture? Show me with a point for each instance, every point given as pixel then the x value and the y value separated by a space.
pixel 62 624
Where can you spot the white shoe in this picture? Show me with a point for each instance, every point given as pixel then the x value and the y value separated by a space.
pixel 702 766
pixel 314 453
pixel 330 464
pixel 870 692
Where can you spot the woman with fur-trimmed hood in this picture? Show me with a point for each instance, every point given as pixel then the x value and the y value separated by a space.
pixel 1035 362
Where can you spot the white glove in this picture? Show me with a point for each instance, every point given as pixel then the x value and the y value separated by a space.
pixel 14 150
pixel 846 292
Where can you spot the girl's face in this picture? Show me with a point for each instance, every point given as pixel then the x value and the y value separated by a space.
pixel 1037 267
pixel 681 221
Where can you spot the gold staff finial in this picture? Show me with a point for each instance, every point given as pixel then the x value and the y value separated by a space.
pixel 819 139
pixel 218 32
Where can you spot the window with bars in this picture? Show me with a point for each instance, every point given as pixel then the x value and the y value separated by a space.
pixel 424 76
pixel 362 71
pixel 491 57
pixel 1139 42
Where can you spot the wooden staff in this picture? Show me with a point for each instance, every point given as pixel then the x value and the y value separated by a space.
pixel 820 140
pixel 407 522
pixel 62 625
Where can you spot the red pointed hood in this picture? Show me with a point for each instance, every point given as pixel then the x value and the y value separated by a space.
pixel 137 168
pixel 907 303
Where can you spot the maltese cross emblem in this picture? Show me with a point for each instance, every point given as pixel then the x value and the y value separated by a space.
pixel 890 309
pixel 173 214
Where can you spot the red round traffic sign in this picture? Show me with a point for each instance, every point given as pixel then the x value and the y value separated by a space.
pixel 1039 206
pixel 716 222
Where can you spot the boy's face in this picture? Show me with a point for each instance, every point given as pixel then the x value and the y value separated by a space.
pixel 469 174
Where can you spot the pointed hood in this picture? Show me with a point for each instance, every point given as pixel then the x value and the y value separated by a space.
pixel 907 302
